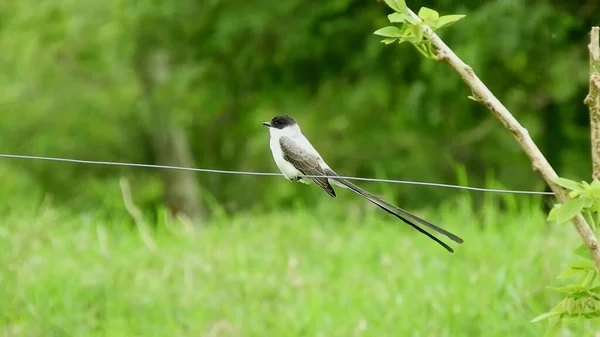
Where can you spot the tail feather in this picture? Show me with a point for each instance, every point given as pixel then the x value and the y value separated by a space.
pixel 398 212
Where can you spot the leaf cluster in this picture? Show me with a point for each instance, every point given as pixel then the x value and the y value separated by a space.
pixel 582 295
pixel 413 30
pixel 585 198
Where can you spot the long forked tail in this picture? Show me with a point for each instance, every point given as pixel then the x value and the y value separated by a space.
pixel 398 212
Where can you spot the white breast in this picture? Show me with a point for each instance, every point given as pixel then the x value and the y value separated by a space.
pixel 288 170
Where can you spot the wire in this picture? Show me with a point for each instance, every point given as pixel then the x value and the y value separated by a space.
pixel 251 173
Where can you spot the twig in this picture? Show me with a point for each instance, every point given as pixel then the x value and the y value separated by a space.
pixel 593 99
pixel 539 162
pixel 136 214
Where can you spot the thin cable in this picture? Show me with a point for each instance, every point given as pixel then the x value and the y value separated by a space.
pixel 251 173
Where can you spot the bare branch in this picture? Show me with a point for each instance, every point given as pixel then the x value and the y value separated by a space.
pixel 593 99
pixel 539 162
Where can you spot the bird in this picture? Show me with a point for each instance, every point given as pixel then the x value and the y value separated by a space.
pixel 299 161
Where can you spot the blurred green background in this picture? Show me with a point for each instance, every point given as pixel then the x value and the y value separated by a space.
pixel 188 83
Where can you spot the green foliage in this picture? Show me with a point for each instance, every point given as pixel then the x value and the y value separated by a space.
pixel 566 211
pixel 290 273
pixel 71 88
pixel 585 198
pixel 582 299
pixel 413 30
pixel 398 5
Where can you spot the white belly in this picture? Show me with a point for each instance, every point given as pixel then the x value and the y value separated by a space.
pixel 288 170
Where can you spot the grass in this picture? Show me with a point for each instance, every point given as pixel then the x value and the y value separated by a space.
pixel 300 273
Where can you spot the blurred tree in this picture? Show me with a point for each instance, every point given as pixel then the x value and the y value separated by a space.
pixel 164 119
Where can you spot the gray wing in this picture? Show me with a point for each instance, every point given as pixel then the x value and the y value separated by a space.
pixel 305 163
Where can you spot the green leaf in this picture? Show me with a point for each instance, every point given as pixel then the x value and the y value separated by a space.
pixel 398 5
pixel 393 5
pixel 447 20
pixel 397 17
pixel 570 316
pixel 577 296
pixel 412 39
pixel 592 315
pixel 595 290
pixel 592 303
pixel 428 14
pixel 569 273
pixel 389 40
pixel 569 184
pixel 389 31
pixel 583 265
pixel 588 279
pixel 570 289
pixel 570 306
pixel 405 30
pixel 402 6
pixel 417 32
pixel 569 209
pixel 552 214
pixel 583 251
pixel 544 316
pixel 595 189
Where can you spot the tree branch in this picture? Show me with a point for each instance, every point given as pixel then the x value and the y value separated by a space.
pixel 539 162
pixel 593 99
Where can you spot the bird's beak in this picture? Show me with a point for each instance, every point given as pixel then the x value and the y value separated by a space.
pixel 267 124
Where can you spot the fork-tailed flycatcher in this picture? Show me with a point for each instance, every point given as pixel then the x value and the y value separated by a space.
pixel 296 158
